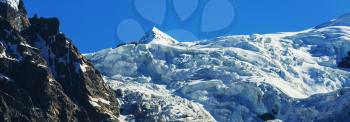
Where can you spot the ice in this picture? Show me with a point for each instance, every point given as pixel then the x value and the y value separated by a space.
pixel 235 78
pixel 157 104
pixel 274 58
pixel 155 36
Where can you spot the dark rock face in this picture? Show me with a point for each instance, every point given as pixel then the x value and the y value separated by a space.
pixel 345 63
pixel 267 117
pixel 43 77
pixel 17 18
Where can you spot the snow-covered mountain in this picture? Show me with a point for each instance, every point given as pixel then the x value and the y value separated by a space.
pixel 343 20
pixel 292 76
pixel 155 36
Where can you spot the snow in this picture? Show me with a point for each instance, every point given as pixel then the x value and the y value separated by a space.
pixel 3 54
pixel 155 36
pixel 42 65
pixel 276 120
pixel 95 101
pixel 95 104
pixel 157 103
pixel 104 101
pixel 81 66
pixel 123 118
pixel 13 3
pixel 3 77
pixel 343 20
pixel 325 107
pixel 9 48
pixel 235 78
pixel 2 51
pixel 274 59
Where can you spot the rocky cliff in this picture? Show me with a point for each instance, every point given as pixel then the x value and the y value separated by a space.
pixel 43 77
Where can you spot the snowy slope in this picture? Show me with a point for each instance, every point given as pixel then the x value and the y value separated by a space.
pixel 343 20
pixel 150 102
pixel 155 36
pixel 240 78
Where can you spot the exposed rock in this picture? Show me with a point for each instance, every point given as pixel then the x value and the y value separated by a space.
pixel 17 17
pixel 345 63
pixel 43 77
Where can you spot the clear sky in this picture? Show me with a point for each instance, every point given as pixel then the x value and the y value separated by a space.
pixel 99 24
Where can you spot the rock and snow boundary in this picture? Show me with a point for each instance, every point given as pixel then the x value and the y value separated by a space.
pixel 13 3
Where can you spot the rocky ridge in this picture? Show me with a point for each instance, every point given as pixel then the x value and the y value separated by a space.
pixel 43 76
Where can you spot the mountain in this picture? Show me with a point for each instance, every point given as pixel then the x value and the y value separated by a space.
pixel 293 76
pixel 43 77
pixel 343 20
pixel 155 36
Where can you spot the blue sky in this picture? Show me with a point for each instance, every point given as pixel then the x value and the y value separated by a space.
pixel 95 25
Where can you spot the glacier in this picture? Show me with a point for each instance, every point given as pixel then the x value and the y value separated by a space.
pixel 289 76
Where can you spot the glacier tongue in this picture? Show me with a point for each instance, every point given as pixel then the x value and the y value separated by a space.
pixel 238 78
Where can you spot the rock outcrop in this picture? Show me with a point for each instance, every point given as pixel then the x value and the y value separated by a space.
pixel 43 77
pixel 345 63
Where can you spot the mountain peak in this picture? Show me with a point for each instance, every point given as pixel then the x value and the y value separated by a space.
pixel 343 20
pixel 156 36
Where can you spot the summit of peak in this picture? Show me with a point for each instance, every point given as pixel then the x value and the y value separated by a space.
pixel 156 36
pixel 156 30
